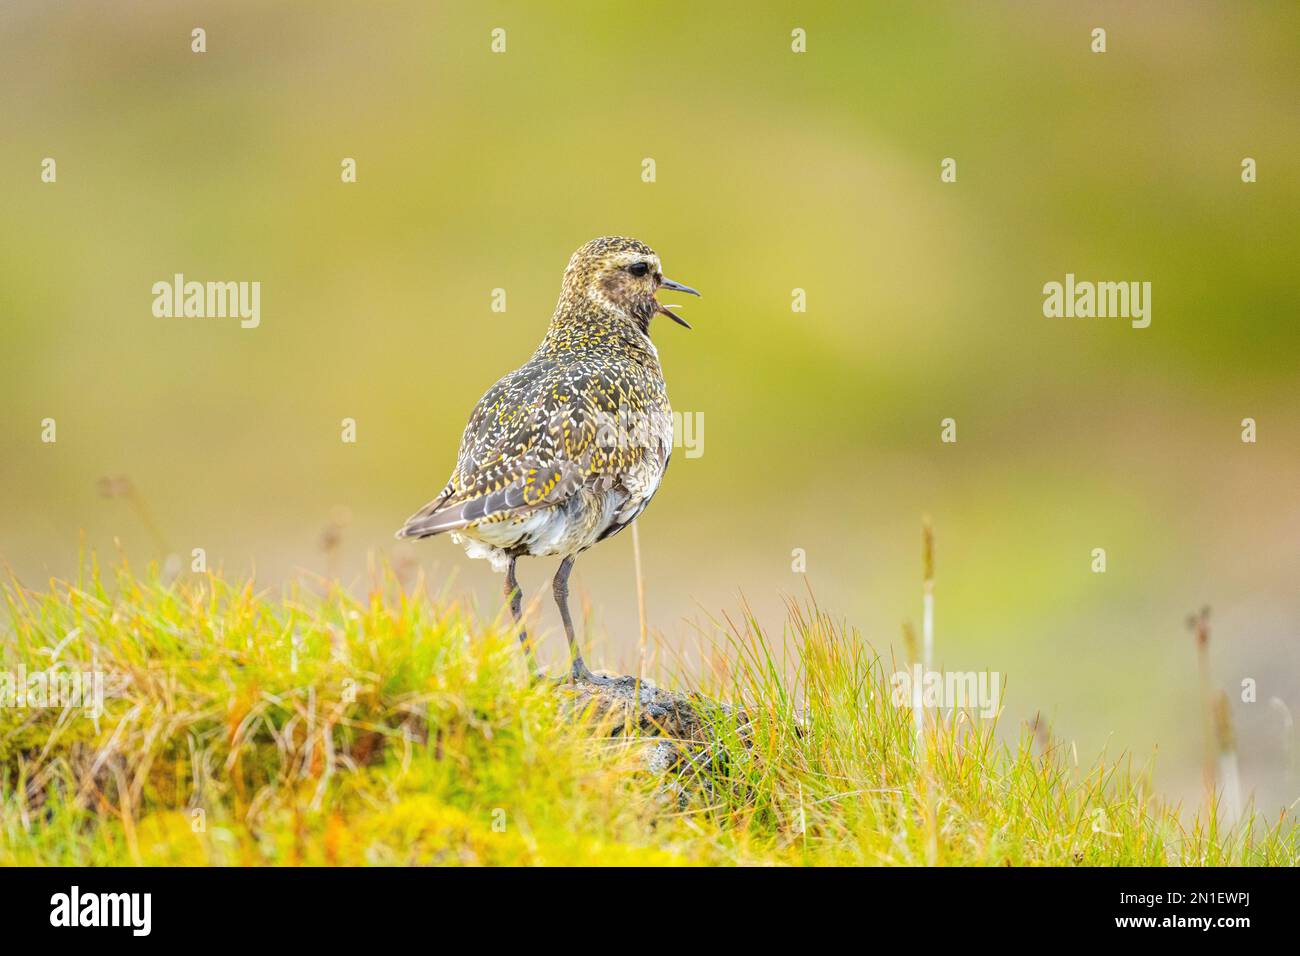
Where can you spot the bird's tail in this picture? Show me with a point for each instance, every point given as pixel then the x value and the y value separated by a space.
pixel 450 512
pixel 434 518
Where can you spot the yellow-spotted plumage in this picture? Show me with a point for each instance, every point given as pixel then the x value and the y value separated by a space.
pixel 570 447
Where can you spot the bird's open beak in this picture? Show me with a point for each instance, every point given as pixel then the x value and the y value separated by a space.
pixel 676 287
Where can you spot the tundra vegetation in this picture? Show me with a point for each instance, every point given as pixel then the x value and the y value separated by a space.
pixel 312 726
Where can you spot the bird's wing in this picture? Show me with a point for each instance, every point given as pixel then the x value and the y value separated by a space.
pixel 532 440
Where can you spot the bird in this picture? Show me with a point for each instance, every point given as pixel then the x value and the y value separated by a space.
pixel 569 448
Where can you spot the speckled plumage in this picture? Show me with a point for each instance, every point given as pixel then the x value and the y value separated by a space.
pixel 570 447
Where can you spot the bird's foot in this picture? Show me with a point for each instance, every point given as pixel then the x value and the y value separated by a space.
pixel 579 674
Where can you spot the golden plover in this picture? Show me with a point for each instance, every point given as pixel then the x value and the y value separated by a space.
pixel 570 447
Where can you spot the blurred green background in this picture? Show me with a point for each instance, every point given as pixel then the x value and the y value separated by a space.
pixel 774 171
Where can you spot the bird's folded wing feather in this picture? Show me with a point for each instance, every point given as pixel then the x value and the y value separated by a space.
pixel 527 445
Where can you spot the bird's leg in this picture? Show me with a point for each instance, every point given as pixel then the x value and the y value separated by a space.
pixel 561 585
pixel 515 595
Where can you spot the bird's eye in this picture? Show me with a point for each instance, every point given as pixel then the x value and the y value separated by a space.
pixel 638 268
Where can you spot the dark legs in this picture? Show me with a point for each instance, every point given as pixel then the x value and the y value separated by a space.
pixel 561 588
pixel 515 595
pixel 516 598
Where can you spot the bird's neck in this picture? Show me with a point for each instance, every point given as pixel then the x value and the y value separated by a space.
pixel 595 327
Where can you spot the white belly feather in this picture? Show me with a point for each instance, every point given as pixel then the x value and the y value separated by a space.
pixel 559 530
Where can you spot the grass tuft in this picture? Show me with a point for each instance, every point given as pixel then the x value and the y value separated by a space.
pixel 247 728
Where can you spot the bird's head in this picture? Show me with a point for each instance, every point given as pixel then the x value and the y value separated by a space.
pixel 620 275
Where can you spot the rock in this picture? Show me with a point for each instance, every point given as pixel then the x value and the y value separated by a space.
pixel 683 732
